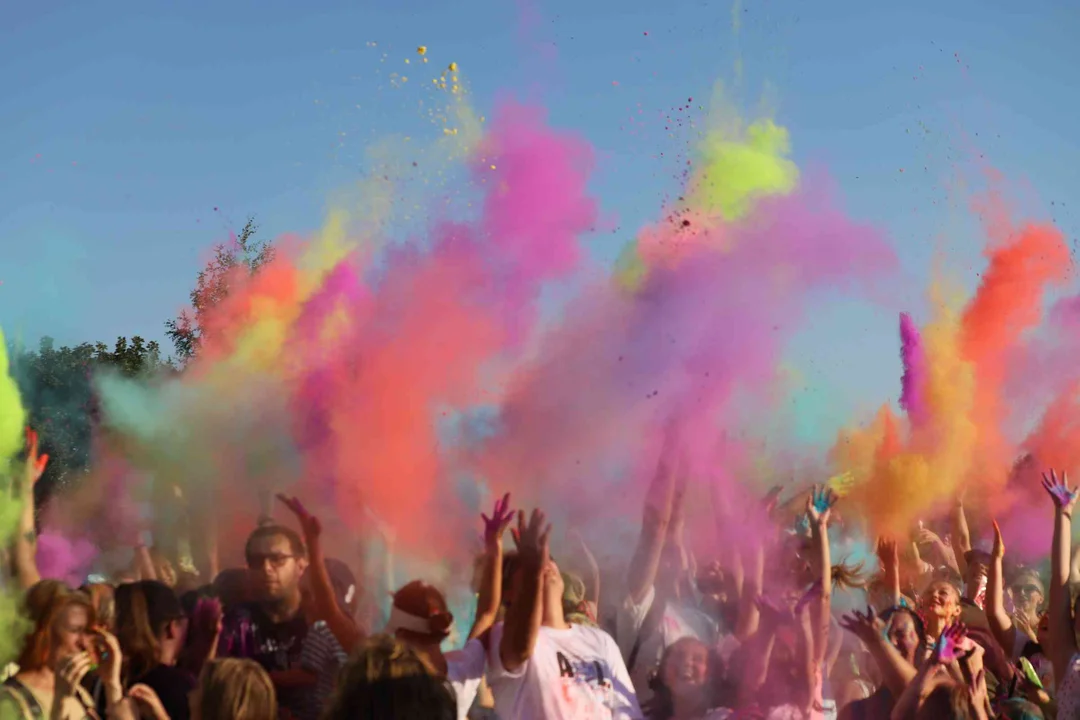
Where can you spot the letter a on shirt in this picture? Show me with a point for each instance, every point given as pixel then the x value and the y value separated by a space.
pixel 575 674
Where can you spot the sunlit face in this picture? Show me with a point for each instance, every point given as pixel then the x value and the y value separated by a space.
pixel 903 634
pixel 1042 630
pixel 686 669
pixel 942 601
pixel 711 581
pixel 1026 597
pixel 70 633
pixel 274 567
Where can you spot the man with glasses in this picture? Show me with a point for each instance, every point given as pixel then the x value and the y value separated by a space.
pixel 271 629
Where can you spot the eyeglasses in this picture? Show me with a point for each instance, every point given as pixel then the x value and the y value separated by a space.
pixel 254 562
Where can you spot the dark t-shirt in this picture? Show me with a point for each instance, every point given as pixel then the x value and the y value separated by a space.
pixel 173 686
pixel 878 706
pixel 247 632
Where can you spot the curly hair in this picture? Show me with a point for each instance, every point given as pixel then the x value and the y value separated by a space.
pixel 662 704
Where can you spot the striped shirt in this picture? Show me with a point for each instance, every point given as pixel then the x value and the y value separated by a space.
pixel 322 655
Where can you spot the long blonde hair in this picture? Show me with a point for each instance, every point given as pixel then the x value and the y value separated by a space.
pixel 234 689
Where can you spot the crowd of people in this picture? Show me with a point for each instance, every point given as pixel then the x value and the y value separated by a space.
pixel 947 631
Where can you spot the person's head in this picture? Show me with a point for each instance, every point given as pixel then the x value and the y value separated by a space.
pixel 978 567
pixel 62 622
pixel 1042 631
pixel 233 689
pixel 941 601
pixel 150 625
pixel 420 616
pixel 386 679
pixel 686 677
pixel 574 606
pixel 276 560
pixel 551 582
pixel 163 566
pixel 343 582
pixel 1027 592
pixel 232 587
pixel 905 631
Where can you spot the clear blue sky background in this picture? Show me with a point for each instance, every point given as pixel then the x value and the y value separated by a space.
pixel 125 124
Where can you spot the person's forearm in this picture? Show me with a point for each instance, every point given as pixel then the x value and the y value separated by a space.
pixel 1000 623
pixel 960 536
pixel 490 596
pixel 896 672
pixel 523 620
pixel 326 604
pixel 654 527
pixel 1060 614
pixel 749 616
pixel 758 656
pixel 24 552
pixel 908 702
pixel 820 637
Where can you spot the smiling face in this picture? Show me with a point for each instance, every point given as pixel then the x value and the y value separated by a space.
pixel 70 633
pixel 685 672
pixel 903 634
pixel 942 601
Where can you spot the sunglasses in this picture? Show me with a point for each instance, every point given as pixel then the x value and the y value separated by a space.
pixel 254 562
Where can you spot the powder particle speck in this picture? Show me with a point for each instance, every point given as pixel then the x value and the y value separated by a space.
pixel 453 67
pixel 422 50
pixel 492 167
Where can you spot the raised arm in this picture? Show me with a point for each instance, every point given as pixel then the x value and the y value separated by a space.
pixel 490 598
pixel 896 672
pixel 889 557
pixel 959 535
pixel 654 526
pixel 1001 625
pixel 326 605
pixel 1060 614
pixel 525 613
pixel 24 555
pixel 818 508
pixel 591 575
pixel 749 619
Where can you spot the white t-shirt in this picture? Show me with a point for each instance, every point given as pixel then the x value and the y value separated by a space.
pixel 574 674
pixel 465 671
pixel 679 621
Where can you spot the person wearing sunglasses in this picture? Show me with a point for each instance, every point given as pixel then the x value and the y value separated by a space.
pixel 271 628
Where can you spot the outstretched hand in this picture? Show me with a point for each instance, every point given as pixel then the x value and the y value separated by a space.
pixel 496 525
pixel 309 524
pixel 952 645
pixel 1063 496
pixel 820 504
pixel 532 539
pixel 999 543
pixel 35 462
pixel 867 626
pixel 888 554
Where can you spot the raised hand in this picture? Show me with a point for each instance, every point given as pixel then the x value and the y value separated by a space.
pixel 952 645
pixel 70 674
pixel 532 539
pixel 819 505
pixel 207 617
pixel 496 525
pixel 867 626
pixel 35 462
pixel 888 553
pixel 309 524
pixel 109 656
pixel 999 544
pixel 1064 498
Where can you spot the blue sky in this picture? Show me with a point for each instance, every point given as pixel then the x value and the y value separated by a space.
pixel 136 134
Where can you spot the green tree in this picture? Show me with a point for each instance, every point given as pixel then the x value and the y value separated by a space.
pixel 57 390
pixel 212 286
